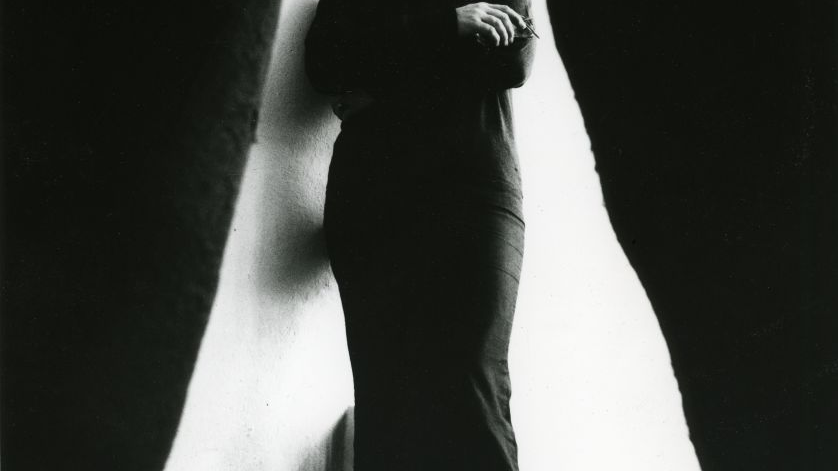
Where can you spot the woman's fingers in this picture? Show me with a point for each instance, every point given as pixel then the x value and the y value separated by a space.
pixel 508 27
pixel 512 14
pixel 489 31
pixel 496 24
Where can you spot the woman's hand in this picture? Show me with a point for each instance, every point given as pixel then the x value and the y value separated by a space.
pixel 490 23
pixel 349 104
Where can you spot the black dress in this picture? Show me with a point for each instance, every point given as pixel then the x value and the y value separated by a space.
pixel 424 230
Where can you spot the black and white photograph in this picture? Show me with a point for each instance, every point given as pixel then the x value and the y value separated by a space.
pixel 437 235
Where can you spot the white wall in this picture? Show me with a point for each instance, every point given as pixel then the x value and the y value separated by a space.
pixel 592 386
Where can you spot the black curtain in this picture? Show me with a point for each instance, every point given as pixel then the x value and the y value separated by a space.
pixel 713 125
pixel 125 127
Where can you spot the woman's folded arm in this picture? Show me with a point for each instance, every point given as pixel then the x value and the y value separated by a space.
pixel 504 66
pixel 384 47
pixel 348 48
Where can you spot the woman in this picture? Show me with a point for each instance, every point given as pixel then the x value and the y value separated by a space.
pixel 423 222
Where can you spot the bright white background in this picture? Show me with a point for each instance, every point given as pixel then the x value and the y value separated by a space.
pixel 592 385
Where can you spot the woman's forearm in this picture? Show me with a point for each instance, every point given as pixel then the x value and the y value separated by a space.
pixel 378 51
pixel 494 66
pixel 502 67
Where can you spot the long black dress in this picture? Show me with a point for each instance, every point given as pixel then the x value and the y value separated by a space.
pixel 424 230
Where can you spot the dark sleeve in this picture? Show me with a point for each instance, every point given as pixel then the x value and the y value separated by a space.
pixel 349 48
pixel 504 66
pixel 377 50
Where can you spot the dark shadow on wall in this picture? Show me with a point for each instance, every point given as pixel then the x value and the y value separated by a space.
pixel 125 128
pixel 296 132
pixel 714 131
pixel 335 453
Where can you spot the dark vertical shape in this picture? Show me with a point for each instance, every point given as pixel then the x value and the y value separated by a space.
pixel 125 128
pixel 713 125
pixel 821 192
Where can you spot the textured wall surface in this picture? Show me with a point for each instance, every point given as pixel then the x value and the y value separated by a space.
pixel 592 387
pixel 272 379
